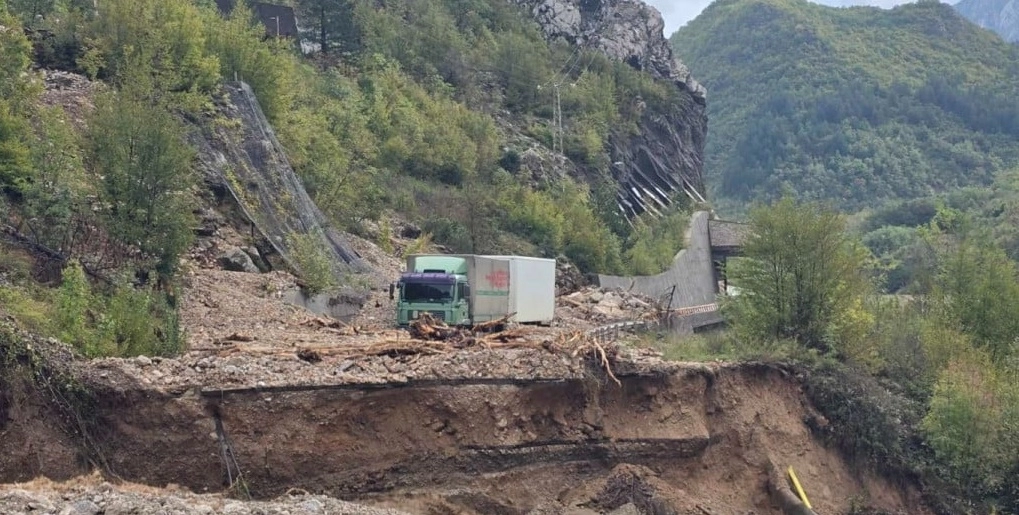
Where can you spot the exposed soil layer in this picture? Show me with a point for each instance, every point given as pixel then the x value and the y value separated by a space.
pixel 684 438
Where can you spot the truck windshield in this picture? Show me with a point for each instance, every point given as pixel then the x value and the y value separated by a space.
pixel 427 292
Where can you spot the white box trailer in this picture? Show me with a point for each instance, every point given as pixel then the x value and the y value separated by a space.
pixel 531 288
pixel 498 285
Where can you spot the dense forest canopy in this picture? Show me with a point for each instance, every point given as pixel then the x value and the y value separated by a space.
pixel 857 105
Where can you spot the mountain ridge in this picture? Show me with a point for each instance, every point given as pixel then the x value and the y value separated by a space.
pixel 856 105
pixel 1000 16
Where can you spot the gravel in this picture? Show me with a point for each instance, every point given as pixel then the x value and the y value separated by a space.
pixel 91 496
pixel 242 334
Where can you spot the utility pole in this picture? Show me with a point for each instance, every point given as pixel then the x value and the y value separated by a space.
pixel 558 144
pixel 557 121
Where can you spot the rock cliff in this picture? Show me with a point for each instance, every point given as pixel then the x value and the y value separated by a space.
pixel 665 158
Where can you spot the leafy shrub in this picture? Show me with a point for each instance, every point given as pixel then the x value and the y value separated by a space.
pixel 510 161
pixel 970 419
pixel 868 422
pixel 385 238
pixel 125 321
pixel 450 233
pixel 536 215
pixel 74 301
pixel 15 91
pixel 653 244
pixel 313 262
pixel 978 290
pixel 15 162
pixel 158 42
pixel 419 246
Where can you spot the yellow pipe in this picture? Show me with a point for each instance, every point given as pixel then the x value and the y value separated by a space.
pixel 799 489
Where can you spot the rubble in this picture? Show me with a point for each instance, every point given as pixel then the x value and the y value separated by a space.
pixel 569 279
pixel 93 496
pixel 71 92
pixel 392 356
pixel 604 306
pixel 242 333
pixel 237 260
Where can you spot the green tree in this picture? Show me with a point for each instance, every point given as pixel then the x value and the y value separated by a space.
pixel 971 422
pixel 977 289
pixel 266 66
pixel 15 57
pixel 331 23
pixel 55 196
pixel 164 40
pixel 138 150
pixel 653 244
pixel 15 154
pixel 312 260
pixel 74 300
pixel 30 9
pixel 802 278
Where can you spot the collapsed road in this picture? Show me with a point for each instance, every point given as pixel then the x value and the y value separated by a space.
pixel 526 420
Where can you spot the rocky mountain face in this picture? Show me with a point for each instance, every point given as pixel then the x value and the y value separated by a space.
pixel 666 156
pixel 1001 16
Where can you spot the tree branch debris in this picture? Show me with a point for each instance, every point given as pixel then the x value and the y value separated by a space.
pixel 431 336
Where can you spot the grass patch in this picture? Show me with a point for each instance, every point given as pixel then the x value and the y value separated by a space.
pixel 720 345
pixel 30 310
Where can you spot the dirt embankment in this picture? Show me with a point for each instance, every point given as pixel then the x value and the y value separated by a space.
pixel 680 438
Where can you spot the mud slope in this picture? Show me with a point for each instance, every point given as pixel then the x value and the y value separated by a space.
pixel 678 437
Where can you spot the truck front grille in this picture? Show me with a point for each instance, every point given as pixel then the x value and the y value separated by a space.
pixel 438 315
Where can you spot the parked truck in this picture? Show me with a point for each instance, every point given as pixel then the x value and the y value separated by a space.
pixel 468 289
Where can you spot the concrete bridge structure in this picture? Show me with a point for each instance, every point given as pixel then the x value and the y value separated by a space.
pixel 695 278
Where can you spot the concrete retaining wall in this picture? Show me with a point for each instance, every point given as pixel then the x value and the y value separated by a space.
pixel 692 271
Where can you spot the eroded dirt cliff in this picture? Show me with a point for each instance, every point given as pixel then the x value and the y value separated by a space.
pixel 680 436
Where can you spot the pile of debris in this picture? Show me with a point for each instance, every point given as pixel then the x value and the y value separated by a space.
pixel 91 495
pixel 430 336
pixel 568 277
pixel 71 92
pixel 332 352
pixel 598 305
pixel 427 327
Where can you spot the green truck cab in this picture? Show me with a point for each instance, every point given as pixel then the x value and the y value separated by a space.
pixel 469 289
pixel 438 286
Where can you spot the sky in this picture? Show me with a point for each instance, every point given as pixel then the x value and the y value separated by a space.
pixel 678 12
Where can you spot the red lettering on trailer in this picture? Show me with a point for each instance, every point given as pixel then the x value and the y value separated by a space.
pixel 498 279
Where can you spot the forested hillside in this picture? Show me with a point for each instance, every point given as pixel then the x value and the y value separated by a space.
pixel 856 105
pixel 432 109
pixel 439 112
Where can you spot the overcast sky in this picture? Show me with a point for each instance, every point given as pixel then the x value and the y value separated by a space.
pixel 678 12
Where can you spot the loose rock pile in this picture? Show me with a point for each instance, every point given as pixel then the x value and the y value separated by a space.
pixel 95 497
pixel 71 92
pixel 597 305
pixel 569 279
